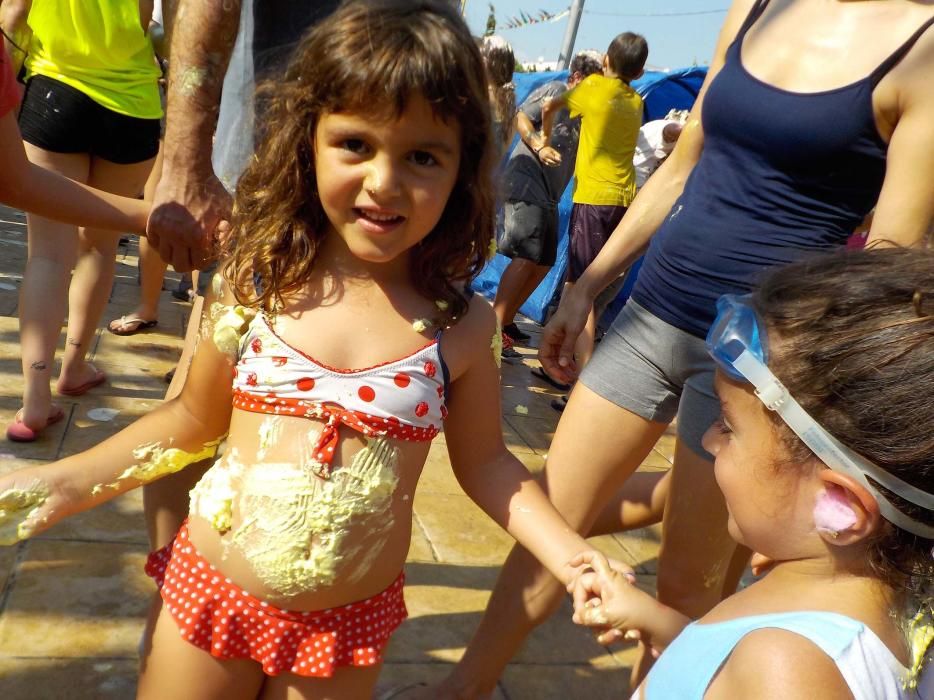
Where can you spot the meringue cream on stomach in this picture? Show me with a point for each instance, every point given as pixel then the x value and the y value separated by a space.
pixel 264 519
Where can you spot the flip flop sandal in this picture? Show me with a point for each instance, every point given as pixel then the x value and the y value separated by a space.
pixel 130 325
pixel 17 431
pixel 99 378
pixel 540 373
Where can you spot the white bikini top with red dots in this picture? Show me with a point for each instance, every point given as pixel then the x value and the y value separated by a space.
pixel 402 399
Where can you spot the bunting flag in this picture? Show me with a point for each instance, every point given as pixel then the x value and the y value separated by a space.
pixel 524 20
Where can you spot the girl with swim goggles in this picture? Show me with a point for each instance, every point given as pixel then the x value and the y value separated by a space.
pixel 828 475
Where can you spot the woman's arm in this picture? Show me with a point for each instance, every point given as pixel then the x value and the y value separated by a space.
pixel 180 432
pixel 631 236
pixel 32 188
pixel 904 214
pixel 489 474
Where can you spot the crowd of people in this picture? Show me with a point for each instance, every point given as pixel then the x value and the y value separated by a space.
pixel 340 166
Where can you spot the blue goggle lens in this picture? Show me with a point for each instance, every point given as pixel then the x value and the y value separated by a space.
pixel 736 329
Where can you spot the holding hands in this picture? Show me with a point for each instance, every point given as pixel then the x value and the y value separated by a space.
pixel 188 220
pixel 606 600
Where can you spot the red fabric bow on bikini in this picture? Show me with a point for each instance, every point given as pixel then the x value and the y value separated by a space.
pixel 334 416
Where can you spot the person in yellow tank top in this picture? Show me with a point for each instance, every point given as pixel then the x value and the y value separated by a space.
pixel 605 180
pixel 90 112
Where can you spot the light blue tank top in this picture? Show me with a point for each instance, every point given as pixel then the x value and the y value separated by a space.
pixel 689 664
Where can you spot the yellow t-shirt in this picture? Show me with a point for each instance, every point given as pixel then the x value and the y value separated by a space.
pixel 611 114
pixel 98 47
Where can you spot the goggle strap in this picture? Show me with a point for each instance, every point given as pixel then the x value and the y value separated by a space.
pixel 829 450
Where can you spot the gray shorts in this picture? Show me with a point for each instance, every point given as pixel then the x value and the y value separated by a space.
pixel 656 371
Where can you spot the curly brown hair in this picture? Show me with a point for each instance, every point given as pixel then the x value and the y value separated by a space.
pixel 369 58
pixel 856 349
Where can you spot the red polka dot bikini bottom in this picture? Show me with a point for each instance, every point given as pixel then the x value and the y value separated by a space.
pixel 218 616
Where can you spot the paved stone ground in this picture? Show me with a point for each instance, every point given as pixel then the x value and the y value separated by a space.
pixel 72 601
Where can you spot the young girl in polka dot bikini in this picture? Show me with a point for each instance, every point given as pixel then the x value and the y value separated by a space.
pixel 343 320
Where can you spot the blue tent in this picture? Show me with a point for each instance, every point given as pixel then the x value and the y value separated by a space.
pixel 660 92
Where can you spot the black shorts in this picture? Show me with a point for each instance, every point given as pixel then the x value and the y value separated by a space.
pixel 59 118
pixel 530 232
pixel 590 228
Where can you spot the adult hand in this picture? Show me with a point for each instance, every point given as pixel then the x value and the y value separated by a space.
pixel 550 157
pixel 556 351
pixel 187 209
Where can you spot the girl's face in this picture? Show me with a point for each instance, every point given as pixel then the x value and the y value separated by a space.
pixel 384 184
pixel 770 501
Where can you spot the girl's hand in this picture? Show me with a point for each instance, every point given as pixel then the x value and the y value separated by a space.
pixel 32 500
pixel 606 600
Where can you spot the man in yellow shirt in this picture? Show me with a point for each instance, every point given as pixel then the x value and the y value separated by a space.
pixel 605 180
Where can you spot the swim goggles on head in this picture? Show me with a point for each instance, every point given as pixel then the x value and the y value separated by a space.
pixel 737 342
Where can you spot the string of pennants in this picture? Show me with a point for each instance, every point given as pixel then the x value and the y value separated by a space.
pixel 524 20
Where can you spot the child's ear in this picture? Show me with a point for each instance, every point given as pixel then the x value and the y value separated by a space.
pixel 845 512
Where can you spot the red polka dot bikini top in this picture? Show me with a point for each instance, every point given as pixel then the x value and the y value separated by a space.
pixel 402 399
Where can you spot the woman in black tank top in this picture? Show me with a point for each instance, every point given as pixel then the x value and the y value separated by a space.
pixel 871 61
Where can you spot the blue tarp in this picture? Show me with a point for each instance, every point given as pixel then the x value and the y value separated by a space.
pixel 660 92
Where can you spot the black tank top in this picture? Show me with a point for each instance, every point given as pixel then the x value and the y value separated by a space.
pixel 781 174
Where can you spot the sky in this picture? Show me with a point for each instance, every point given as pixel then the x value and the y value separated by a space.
pixel 674 41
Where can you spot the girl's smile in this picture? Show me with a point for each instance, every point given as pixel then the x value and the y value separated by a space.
pixel 384 184
pixel 377 221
